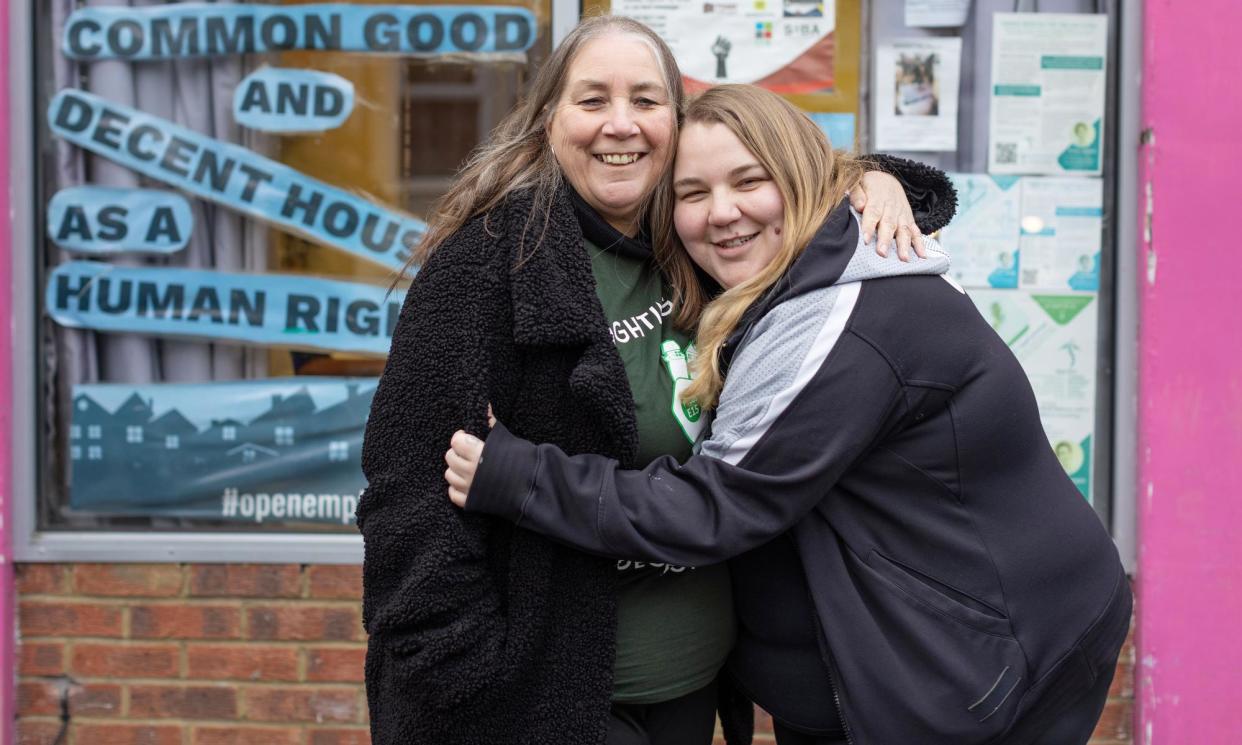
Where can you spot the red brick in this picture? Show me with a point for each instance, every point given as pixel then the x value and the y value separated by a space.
pixel 763 721
pixel 182 702
pixel 41 658
pixel 128 580
pixel 38 697
pixel 54 618
pixel 85 700
pixel 343 582
pixel 125 660
pixel 37 731
pixel 339 736
pixel 302 704
pixel 246 580
pixel 305 623
pixel 242 662
pixel 1123 681
pixel 126 734
pixel 185 622
pixel 1116 722
pixel 335 664
pixel 247 736
pixel 42 579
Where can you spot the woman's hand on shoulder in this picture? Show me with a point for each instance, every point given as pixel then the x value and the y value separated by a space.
pixel 886 215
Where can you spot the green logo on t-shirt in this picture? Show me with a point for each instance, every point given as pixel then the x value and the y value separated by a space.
pixel 689 413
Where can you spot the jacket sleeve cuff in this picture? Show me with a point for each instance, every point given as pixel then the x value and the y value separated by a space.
pixel 930 191
pixel 505 475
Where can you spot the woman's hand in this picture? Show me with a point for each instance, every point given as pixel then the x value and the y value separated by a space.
pixel 463 456
pixel 886 214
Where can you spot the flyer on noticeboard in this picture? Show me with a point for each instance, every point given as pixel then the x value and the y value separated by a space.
pixel 1054 338
pixel 1047 96
pixel 916 94
pixel 1062 228
pixel 983 237
pixel 784 45
pixel 937 13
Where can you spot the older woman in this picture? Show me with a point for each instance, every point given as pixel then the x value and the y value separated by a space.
pixel 538 292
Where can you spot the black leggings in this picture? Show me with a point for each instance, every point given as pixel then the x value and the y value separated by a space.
pixel 1073 727
pixel 786 736
pixel 688 720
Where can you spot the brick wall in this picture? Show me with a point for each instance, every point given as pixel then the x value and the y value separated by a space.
pixel 203 654
pixel 227 654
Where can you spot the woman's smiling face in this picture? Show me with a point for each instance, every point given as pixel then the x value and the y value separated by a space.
pixel 729 213
pixel 612 128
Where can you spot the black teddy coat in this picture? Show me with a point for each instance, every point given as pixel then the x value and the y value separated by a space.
pixel 482 633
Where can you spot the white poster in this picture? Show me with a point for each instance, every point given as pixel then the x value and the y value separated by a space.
pixel 784 45
pixel 983 237
pixel 916 89
pixel 1054 337
pixel 937 13
pixel 1062 228
pixel 1048 76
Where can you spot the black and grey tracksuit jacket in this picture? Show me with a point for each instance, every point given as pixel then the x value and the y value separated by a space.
pixel 962 590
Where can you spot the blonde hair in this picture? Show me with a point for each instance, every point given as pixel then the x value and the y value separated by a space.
pixel 517 155
pixel 812 180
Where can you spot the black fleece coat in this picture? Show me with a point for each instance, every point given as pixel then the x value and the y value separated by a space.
pixel 482 633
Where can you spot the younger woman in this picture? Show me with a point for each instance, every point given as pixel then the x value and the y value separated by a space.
pixel 913 565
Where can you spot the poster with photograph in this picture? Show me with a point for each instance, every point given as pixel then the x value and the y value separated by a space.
pixel 784 45
pixel 256 451
pixel 936 13
pixel 1054 338
pixel 1048 80
pixel 916 94
pixel 1062 229
pixel 983 236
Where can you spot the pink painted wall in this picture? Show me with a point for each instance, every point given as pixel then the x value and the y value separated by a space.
pixel 1190 348
pixel 7 667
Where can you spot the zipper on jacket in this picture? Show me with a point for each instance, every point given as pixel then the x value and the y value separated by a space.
pixel 825 653
pixel 830 663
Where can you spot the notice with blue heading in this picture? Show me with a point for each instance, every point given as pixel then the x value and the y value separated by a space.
pixel 1062 230
pixel 1054 338
pixel 1047 107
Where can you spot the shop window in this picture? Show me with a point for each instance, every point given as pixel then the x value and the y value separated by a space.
pixel 155 272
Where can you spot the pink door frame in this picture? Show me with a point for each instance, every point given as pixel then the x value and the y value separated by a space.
pixel 1190 389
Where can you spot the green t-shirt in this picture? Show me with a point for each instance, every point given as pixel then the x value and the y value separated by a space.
pixel 675 625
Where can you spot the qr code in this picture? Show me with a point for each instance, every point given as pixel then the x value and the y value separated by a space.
pixel 1006 152
pixel 1030 276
